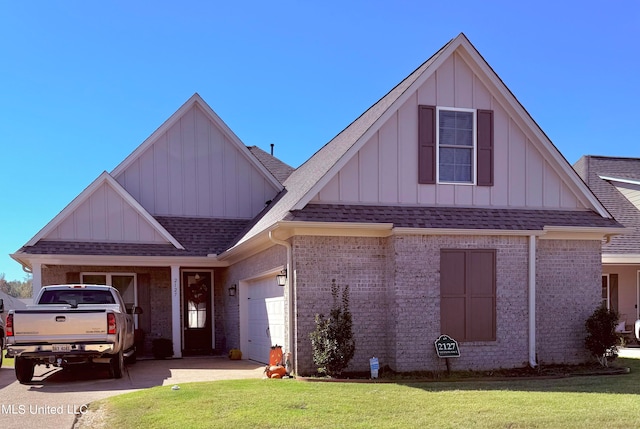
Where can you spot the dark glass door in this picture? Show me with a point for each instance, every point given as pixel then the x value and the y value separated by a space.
pixel 196 299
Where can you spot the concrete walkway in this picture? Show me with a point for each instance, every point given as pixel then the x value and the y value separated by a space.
pixel 629 352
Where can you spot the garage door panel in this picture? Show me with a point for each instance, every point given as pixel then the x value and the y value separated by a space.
pixel 265 318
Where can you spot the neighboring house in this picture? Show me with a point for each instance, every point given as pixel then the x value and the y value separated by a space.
pixel 444 207
pixel 616 183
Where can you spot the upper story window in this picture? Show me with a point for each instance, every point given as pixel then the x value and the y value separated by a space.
pixel 456 140
pixel 455 146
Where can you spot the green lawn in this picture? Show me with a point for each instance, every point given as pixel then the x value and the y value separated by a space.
pixel 577 402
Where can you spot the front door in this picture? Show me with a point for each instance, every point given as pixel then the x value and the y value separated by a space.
pixel 196 299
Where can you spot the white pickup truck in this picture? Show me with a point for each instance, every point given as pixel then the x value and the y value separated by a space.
pixel 71 324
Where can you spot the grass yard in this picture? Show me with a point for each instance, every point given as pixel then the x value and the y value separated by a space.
pixel 576 402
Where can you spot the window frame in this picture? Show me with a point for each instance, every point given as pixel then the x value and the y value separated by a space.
pixel 474 148
pixel 109 282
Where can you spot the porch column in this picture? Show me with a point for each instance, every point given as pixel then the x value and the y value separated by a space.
pixel 175 311
pixel 36 278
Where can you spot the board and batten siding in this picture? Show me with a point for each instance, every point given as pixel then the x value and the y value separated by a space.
pixel 105 217
pixel 385 169
pixel 193 169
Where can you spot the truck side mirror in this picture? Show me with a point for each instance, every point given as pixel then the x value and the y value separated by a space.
pixel 136 310
pixel 1 305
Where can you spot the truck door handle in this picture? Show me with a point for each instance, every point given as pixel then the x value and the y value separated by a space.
pixel 61 319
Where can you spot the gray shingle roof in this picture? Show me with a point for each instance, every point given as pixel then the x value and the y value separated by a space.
pixel 590 168
pixel 279 169
pixel 199 237
pixel 451 217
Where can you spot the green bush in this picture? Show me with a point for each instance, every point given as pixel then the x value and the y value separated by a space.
pixel 332 341
pixel 601 335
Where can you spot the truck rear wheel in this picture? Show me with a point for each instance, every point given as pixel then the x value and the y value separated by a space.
pixel 24 370
pixel 116 366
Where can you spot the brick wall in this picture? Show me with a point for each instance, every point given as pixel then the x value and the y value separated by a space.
pixel 568 290
pixel 357 262
pixel 395 302
pixel 417 297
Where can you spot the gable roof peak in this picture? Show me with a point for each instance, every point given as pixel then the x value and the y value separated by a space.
pixel 104 178
pixel 194 100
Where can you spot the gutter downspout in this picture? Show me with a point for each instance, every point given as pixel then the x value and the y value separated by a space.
pixel 532 301
pixel 289 285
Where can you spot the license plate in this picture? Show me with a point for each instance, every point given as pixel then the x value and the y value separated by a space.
pixel 61 348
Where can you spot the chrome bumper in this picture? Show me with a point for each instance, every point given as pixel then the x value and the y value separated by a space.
pixel 45 350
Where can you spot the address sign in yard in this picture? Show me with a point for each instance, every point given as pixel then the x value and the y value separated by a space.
pixel 447 347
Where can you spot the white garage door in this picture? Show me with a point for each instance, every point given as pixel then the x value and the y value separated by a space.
pixel 265 318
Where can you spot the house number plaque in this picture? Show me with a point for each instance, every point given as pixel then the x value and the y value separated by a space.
pixel 447 347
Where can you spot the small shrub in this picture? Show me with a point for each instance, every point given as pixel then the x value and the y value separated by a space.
pixel 601 336
pixel 332 341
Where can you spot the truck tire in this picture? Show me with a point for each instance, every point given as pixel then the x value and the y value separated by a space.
pixel 116 366
pixel 24 370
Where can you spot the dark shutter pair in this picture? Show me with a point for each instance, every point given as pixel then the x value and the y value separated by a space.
pixel 468 294
pixel 427 146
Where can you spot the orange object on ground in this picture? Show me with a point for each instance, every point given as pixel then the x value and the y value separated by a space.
pixel 275 371
pixel 275 355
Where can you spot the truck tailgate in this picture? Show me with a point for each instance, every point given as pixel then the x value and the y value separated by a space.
pixel 55 325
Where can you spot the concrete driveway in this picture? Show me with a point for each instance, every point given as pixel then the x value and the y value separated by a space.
pixel 55 396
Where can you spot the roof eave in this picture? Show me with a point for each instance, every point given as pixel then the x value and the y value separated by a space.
pixel 27 260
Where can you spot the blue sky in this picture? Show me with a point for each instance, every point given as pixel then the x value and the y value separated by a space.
pixel 82 84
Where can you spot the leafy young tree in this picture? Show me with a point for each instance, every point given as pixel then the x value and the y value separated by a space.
pixel 601 336
pixel 332 341
pixel 16 288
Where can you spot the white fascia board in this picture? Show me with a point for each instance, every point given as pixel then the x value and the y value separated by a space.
pixel 195 99
pixel 351 229
pixel 616 259
pixel 84 195
pixel 248 248
pixel 619 180
pixel 113 260
pixel 581 233
pixel 284 230
pixel 458 231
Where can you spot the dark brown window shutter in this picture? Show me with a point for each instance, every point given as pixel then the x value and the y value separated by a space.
pixel 481 310
pixel 73 278
pixel 452 294
pixel 426 144
pixel 485 147
pixel 468 294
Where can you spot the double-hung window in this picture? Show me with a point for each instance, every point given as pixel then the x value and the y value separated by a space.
pixel 455 146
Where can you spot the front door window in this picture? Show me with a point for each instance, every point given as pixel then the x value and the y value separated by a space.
pixel 197 312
